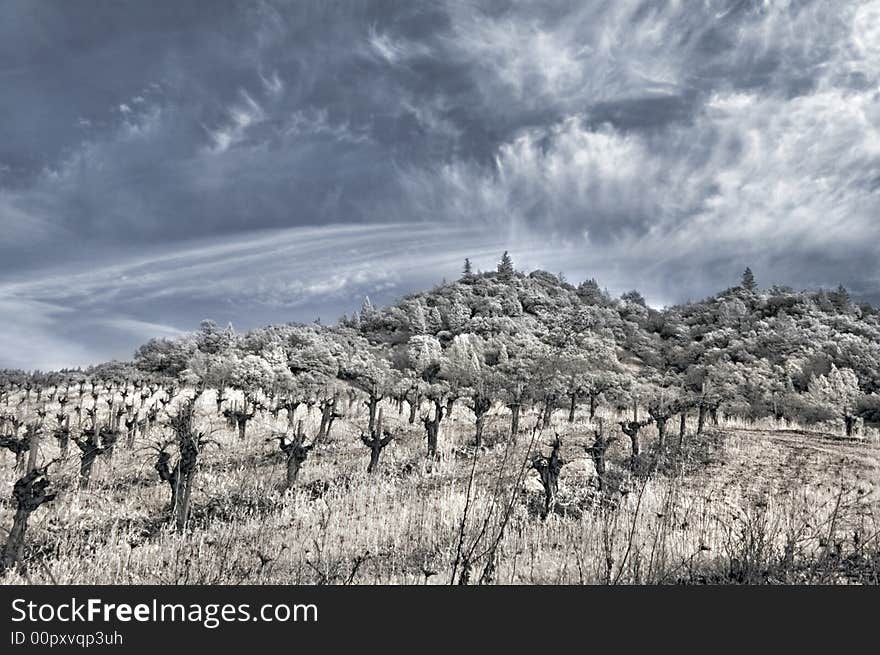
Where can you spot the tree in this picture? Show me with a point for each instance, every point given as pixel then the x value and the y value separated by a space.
pixel 663 400
pixel 505 266
pixel 709 386
pixel 748 280
pixel 426 358
pixel 525 354
pixel 839 389
pixel 291 394
pixel 634 297
pixel 840 299
pixel 368 370
pixel 467 373
pixel 214 371
pixel 367 310
pixel 587 368
pixel 165 356
pixel 250 375
pixel 416 317
pixel 212 340
pixel 600 382
pixel 590 293
pixel 467 271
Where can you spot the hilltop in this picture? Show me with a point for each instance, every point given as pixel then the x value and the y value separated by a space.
pixel 810 356
pixel 503 427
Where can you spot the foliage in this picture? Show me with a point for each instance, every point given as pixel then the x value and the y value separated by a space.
pixel 526 338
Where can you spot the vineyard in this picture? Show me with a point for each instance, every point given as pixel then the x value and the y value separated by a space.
pixel 501 429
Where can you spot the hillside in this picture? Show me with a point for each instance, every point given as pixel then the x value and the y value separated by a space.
pixel 747 351
pixel 503 428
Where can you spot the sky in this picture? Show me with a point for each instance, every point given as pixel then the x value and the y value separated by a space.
pixel 254 162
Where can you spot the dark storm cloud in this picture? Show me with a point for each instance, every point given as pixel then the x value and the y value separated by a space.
pixel 147 148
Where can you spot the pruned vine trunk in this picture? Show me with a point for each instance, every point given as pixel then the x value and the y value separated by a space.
pixel 328 415
pixel 296 451
pixel 515 410
pixel 376 441
pixel 701 418
pixel 482 404
pixel 181 478
pixel 28 493
pixel 432 429
pixel 414 408
pixel 33 437
pixel 372 406
pixel 631 429
pixel 90 448
pixel 549 402
pixel 661 429
pixel 548 469
pixel 597 452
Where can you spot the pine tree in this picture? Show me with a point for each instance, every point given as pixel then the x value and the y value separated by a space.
pixel 467 272
pixel 748 280
pixel 505 266
pixel 367 309
pixel 634 297
pixel 840 299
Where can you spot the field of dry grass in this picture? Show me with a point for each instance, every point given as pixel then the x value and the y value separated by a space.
pixel 738 504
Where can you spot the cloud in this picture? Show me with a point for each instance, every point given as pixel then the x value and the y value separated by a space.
pixel 31 338
pixel 100 312
pixel 759 166
pixel 395 50
pixel 273 84
pixel 242 115
pixel 277 160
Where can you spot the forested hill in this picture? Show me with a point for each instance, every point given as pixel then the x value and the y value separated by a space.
pixel 515 338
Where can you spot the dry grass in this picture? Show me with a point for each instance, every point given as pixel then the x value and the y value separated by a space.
pixel 738 504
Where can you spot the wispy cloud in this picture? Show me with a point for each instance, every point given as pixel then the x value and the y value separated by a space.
pixel 278 160
pixel 242 115
pixel 395 50
pixel 299 273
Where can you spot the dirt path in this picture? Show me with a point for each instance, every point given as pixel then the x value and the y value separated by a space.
pixel 774 462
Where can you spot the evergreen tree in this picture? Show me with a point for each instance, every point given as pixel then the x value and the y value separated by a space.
pixel 505 266
pixel 748 280
pixel 840 299
pixel 467 272
pixel 634 297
